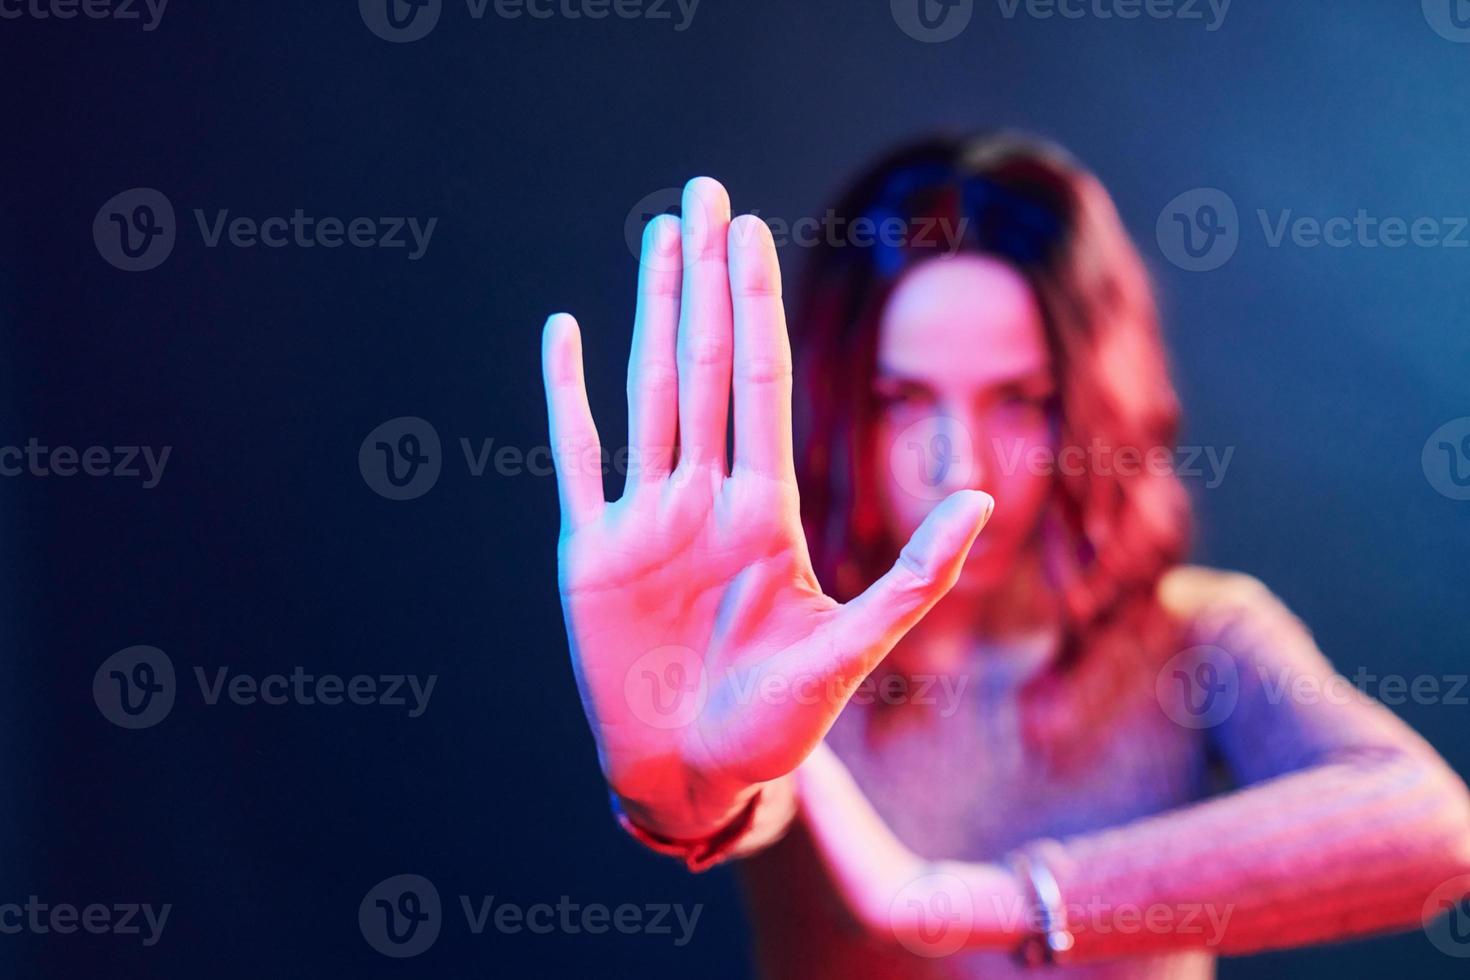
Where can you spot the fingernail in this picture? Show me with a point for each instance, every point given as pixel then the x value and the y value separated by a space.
pixel 986 503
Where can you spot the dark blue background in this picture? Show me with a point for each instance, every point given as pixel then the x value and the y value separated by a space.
pixel 263 548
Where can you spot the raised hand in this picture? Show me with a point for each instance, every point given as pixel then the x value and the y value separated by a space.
pixel 707 656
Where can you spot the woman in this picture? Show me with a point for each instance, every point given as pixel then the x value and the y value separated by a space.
pixel 1037 772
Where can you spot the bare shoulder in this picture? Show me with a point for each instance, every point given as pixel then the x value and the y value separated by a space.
pixel 1236 612
pixel 1192 592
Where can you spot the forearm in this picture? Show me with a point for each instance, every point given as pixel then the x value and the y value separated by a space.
pixel 1348 848
pixel 1349 822
pixel 890 891
pixel 1351 825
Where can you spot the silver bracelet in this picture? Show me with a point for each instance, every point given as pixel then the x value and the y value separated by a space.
pixel 1053 940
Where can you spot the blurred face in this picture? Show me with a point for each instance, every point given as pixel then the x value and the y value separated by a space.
pixel 964 384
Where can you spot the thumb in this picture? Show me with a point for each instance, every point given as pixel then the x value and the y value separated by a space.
pixel 927 568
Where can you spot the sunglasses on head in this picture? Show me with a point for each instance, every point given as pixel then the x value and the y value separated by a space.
pixel 992 217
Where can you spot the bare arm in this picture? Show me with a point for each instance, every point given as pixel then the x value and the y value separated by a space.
pixel 887 888
pixel 1349 824
pixel 1348 821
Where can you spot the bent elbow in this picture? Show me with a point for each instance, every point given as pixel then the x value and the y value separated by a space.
pixel 1456 811
pixel 1435 827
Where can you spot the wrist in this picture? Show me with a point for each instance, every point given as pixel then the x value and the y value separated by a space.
pixel 701 852
pixel 1049 939
pixel 1000 903
pixel 685 820
pixel 682 805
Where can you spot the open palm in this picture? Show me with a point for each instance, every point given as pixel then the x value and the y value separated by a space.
pixel 707 656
